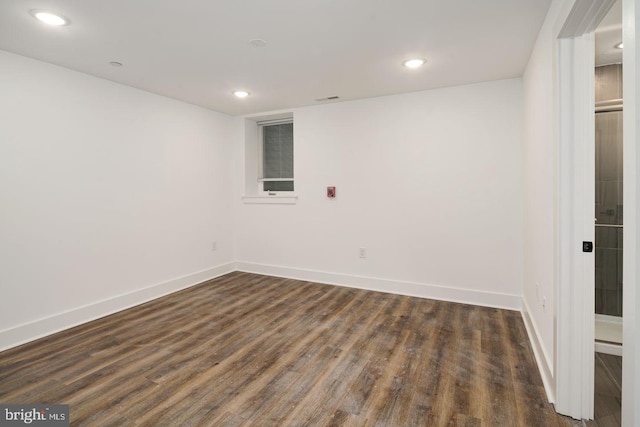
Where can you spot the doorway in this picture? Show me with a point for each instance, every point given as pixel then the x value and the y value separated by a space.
pixel 609 224
pixel 608 182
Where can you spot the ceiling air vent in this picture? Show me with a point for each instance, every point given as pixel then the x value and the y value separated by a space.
pixel 328 98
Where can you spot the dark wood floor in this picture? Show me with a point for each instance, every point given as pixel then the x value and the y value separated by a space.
pixel 246 349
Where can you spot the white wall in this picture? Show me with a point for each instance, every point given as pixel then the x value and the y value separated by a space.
pixel 107 195
pixel 430 183
pixel 540 182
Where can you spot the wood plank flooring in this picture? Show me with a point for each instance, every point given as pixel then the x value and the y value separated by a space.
pixel 245 350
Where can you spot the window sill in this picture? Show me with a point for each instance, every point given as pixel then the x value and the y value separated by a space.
pixel 270 200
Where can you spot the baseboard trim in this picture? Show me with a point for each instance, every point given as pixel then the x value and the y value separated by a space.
pixel 421 290
pixel 31 331
pixel 545 365
pixel 21 334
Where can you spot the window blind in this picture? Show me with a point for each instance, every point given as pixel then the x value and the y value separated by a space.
pixel 277 156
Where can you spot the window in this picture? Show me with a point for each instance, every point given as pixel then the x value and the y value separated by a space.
pixel 268 160
pixel 276 155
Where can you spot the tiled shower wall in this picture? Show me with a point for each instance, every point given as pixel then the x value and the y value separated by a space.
pixel 608 191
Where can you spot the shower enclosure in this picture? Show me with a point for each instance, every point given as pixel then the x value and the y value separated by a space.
pixel 608 207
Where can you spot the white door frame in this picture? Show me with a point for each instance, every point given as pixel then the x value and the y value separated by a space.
pixel 575 307
pixel 631 253
pixel 574 311
pixel 575 293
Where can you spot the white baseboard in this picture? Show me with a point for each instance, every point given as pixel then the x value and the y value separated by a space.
pixel 545 364
pixel 27 332
pixel 422 290
pixel 22 334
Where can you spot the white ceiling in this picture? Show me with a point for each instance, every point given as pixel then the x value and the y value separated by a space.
pixel 198 51
pixel 608 35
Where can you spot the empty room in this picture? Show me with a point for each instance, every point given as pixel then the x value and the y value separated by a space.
pixel 312 213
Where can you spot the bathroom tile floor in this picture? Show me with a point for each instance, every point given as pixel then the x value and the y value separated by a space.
pixel 608 392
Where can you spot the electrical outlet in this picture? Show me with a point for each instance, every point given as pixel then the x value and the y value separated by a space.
pixel 214 246
pixel 544 303
pixel 363 252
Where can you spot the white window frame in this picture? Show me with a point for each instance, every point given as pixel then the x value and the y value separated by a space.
pixel 261 180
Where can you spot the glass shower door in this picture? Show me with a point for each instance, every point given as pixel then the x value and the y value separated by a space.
pixel 608 213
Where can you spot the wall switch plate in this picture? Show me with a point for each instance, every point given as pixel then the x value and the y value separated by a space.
pixel 214 246
pixel 363 253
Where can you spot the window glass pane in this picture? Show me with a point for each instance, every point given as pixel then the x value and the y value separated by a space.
pixel 278 185
pixel 277 151
pixel 286 152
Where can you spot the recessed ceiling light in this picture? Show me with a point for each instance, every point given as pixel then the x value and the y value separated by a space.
pixel 49 18
pixel 413 63
pixel 258 43
pixel 619 45
pixel 241 93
